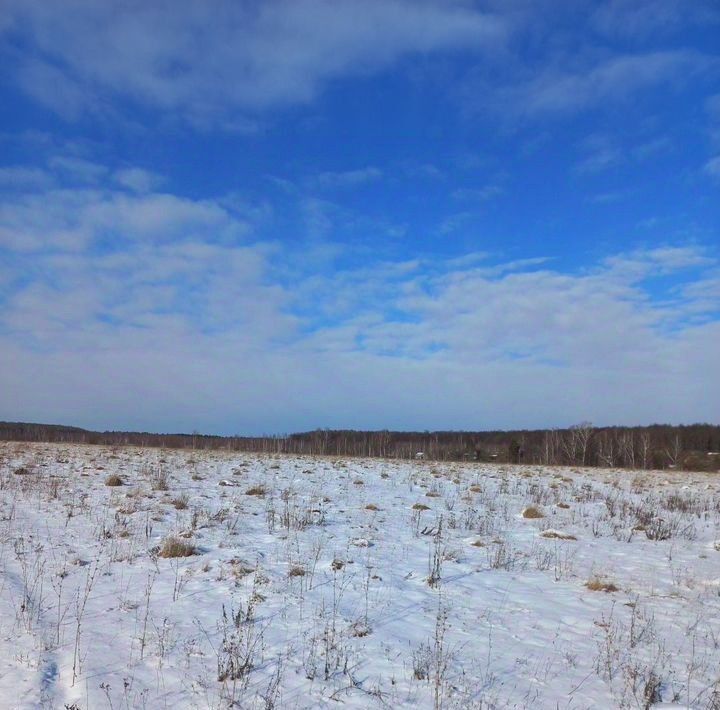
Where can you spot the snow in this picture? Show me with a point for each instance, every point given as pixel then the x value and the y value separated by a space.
pixel 319 582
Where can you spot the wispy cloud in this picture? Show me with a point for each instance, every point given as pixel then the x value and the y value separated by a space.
pixel 478 194
pixel 565 83
pixel 346 178
pixel 80 218
pixel 22 178
pixel 600 154
pixel 649 18
pixel 75 169
pixel 712 167
pixel 188 309
pixel 206 60
pixel 558 91
pixel 138 179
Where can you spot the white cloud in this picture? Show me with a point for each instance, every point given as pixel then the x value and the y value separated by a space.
pixel 712 167
pixel 72 168
pixel 220 64
pixel 318 216
pixel 52 87
pixel 651 148
pixel 665 260
pixel 478 194
pixel 554 89
pixel 600 154
pixel 649 18
pixel 22 178
pixel 137 179
pixel 206 59
pixel 76 219
pixel 204 331
pixel 346 179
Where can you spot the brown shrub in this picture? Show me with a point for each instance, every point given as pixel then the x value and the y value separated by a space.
pixel 256 491
pixel 172 547
pixel 596 584
pixel 532 512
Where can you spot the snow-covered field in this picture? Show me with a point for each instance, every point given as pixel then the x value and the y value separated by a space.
pixel 358 583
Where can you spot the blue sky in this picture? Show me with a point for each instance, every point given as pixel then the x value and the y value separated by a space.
pixel 244 217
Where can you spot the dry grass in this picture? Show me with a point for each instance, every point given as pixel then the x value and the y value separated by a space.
pixel 532 512
pixel 359 629
pixel 597 584
pixel 256 491
pixel 114 480
pixel 240 568
pixel 159 480
pixel 296 571
pixel 128 508
pixel 180 503
pixel 557 535
pixel 172 547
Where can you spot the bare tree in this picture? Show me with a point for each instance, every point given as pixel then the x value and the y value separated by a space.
pixel 626 444
pixel 645 447
pixel 576 442
pixel 673 451
pixel 606 449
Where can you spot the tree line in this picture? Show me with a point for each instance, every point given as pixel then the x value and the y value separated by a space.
pixel 657 446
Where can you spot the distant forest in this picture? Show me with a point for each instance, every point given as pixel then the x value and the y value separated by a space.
pixel 659 446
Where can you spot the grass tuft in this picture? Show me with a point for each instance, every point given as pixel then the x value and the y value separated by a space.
pixel 557 535
pixel 256 491
pixel 597 584
pixel 172 547
pixel 532 513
